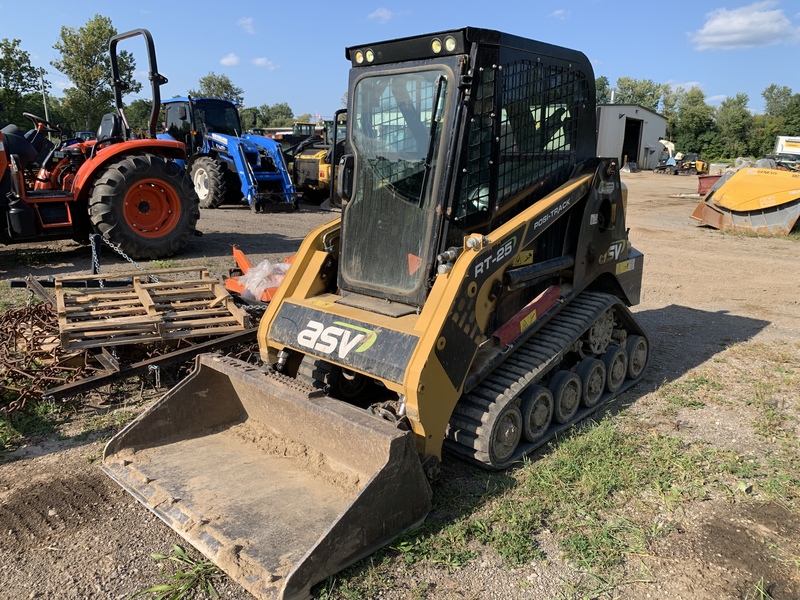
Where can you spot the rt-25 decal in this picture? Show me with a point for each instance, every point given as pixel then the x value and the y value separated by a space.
pixel 501 254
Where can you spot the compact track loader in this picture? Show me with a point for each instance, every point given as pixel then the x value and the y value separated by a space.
pixel 472 297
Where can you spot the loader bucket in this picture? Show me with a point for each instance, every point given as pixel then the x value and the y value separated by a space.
pixel 277 487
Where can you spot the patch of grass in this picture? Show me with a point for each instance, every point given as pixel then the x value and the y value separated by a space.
pixel 163 264
pixel 691 392
pixel 190 577
pixel 113 419
pixel 40 418
pixel 759 591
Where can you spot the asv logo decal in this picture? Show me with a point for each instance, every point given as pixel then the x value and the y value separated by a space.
pixel 340 339
pixel 614 252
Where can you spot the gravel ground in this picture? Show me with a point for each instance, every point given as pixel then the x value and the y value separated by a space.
pixel 67 531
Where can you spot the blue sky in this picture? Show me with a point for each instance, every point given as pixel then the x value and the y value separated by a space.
pixel 294 51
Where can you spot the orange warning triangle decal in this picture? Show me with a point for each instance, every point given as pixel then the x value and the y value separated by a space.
pixel 414 263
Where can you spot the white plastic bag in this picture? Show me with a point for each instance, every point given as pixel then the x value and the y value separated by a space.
pixel 261 277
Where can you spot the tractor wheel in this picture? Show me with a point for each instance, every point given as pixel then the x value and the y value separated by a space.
pixel 209 182
pixel 145 205
pixel 233 188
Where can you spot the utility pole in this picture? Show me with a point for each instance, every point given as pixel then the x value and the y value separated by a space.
pixel 44 96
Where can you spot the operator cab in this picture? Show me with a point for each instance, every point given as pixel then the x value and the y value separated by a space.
pixel 451 134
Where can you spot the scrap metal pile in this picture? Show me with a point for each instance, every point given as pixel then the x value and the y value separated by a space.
pixel 85 337
pixel 31 359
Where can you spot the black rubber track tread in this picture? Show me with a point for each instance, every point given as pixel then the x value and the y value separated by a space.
pixel 532 361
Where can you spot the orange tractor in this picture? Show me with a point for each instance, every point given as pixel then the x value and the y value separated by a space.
pixel 131 191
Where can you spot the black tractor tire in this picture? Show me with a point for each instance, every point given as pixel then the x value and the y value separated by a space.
pixel 145 205
pixel 233 188
pixel 210 184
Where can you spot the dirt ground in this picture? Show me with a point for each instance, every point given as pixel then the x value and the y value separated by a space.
pixel 68 531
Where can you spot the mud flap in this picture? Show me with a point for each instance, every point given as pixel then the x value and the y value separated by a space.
pixel 279 488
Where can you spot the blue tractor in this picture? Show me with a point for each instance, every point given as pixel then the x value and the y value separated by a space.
pixel 224 163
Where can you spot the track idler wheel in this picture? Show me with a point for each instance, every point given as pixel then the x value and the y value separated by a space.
pixel 637 349
pixel 616 361
pixel 592 372
pixel 566 389
pixel 506 434
pixel 537 412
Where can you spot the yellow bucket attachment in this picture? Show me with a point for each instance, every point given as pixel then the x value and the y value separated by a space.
pixel 277 487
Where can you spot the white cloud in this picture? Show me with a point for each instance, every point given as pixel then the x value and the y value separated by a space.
pixel 230 60
pixel 559 14
pixel 264 63
pixel 246 25
pixel 382 15
pixel 752 26
pixel 718 99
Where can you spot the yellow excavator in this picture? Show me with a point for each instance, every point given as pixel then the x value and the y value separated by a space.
pixel 471 300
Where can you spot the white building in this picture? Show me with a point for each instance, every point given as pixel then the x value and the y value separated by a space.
pixel 630 133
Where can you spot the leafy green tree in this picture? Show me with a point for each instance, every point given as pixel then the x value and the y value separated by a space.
pixel 791 116
pixel 86 63
pixel 138 115
pixel 695 131
pixel 776 99
pixel 247 114
pixel 219 86
pixel 763 131
pixel 734 122
pixel 602 90
pixel 644 92
pixel 669 108
pixel 17 77
pixel 277 115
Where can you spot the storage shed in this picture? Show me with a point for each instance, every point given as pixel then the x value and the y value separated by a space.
pixel 630 133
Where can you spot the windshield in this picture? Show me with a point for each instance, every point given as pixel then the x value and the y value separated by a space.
pixel 396 135
pixel 211 116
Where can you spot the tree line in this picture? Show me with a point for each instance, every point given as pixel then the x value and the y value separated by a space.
pixel 83 58
pixel 723 132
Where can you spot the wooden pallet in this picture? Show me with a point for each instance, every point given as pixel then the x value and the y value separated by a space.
pixel 164 304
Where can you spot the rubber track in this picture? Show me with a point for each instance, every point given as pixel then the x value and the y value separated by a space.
pixel 467 433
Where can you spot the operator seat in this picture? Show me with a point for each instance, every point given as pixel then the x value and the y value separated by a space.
pixel 110 129
pixel 18 146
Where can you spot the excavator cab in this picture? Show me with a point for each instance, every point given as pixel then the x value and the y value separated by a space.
pixel 472 296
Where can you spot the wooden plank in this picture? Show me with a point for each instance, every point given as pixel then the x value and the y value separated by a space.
pixel 146 311
pixel 129 274
pixel 144 297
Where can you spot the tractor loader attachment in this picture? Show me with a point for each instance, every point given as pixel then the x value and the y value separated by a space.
pixel 278 486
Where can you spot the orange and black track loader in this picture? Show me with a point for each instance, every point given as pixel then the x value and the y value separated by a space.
pixel 131 191
pixel 472 300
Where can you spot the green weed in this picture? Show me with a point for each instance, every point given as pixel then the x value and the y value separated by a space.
pixel 760 591
pixel 163 264
pixel 190 576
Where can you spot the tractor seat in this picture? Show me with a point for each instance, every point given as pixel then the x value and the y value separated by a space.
pixel 110 129
pixel 17 145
